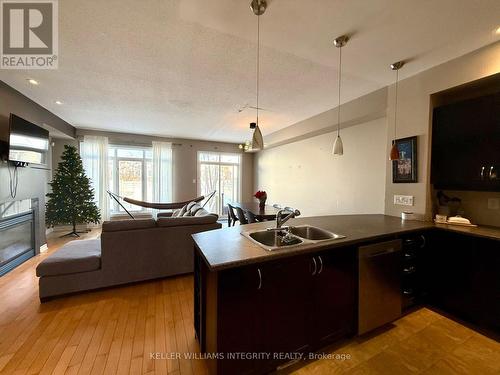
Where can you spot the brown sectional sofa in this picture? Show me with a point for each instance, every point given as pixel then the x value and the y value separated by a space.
pixel 128 251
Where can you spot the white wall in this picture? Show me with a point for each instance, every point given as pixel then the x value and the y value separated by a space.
pixel 307 176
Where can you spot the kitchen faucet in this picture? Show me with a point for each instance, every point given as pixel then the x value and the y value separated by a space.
pixel 280 220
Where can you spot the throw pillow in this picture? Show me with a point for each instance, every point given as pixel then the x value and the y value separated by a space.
pixel 190 205
pixel 182 211
pixel 194 209
pixel 201 212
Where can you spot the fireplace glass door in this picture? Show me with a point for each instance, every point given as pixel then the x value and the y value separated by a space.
pixel 16 241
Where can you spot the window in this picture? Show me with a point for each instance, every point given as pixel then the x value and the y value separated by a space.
pixel 220 172
pixel 130 175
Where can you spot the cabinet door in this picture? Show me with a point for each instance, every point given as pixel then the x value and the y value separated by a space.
pixel 238 314
pixel 412 272
pixel 486 284
pixel 284 305
pixel 465 145
pixel 491 174
pixel 461 277
pixel 451 263
pixel 333 309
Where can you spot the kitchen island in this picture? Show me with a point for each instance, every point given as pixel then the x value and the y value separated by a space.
pixel 257 310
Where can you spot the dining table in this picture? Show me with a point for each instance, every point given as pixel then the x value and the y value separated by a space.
pixel 261 214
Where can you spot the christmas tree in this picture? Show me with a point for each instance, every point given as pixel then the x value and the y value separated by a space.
pixel 72 198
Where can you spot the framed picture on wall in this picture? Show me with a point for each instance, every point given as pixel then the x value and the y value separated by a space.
pixel 404 170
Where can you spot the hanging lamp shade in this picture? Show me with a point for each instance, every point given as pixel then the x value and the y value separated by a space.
pixel 258 7
pixel 257 139
pixel 394 151
pixel 338 146
pixel 394 155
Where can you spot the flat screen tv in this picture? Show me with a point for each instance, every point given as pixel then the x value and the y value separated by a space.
pixel 28 143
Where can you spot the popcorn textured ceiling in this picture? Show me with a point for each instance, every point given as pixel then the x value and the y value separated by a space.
pixel 184 68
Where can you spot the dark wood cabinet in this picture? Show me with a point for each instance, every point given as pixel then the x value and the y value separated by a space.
pixel 241 309
pixel 285 301
pixel 462 277
pixel 304 302
pixel 486 285
pixel 333 296
pixel 412 269
pixel 294 305
pixel 466 144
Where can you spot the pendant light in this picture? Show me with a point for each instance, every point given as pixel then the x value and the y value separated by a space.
pixel 338 147
pixel 394 149
pixel 258 7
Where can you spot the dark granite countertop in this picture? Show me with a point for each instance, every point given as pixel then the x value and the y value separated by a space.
pixel 492 233
pixel 228 248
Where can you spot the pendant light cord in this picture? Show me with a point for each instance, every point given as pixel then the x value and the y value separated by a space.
pixel 396 104
pixel 340 84
pixel 258 66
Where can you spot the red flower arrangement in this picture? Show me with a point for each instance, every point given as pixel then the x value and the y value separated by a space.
pixel 260 195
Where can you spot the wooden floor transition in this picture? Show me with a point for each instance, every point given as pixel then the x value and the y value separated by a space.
pixel 114 331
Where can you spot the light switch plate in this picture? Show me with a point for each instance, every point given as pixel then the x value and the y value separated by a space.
pixel 403 200
pixel 493 203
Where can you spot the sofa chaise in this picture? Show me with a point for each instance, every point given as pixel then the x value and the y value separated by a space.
pixel 127 251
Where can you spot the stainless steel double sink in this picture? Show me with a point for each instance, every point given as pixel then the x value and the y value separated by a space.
pixel 274 239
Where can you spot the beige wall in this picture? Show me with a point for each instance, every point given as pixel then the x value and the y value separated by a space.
pixel 475 206
pixel 414 118
pixel 184 159
pixel 305 174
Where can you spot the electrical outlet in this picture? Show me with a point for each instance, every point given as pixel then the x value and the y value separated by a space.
pixel 493 203
pixel 403 200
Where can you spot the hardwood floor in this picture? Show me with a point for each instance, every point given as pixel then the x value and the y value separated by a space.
pixel 114 331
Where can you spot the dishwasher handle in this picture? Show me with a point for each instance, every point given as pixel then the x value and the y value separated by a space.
pixel 382 252
pixel 379 249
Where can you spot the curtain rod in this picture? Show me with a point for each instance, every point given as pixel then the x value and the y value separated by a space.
pixel 131 143
pixel 121 143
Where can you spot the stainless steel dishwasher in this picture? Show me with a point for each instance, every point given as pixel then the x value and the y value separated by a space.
pixel 379 284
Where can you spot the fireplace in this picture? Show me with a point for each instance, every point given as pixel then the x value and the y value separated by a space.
pixel 17 233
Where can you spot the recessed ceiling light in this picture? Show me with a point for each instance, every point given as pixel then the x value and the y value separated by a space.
pixel 58 102
pixel 32 81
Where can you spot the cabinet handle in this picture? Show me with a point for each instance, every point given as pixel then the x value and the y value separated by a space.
pixel 490 175
pixel 482 172
pixel 410 269
pixel 260 279
pixel 424 241
pixel 315 266
pixel 320 265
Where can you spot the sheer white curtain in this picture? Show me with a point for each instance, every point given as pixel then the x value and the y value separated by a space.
pixel 94 153
pixel 162 172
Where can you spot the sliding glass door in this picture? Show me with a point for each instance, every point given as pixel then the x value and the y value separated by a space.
pixel 220 172
pixel 130 175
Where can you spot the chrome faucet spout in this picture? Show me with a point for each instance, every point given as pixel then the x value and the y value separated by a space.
pixel 290 213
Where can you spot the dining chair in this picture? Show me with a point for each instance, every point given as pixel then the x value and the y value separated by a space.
pixel 231 216
pixel 251 217
pixel 241 216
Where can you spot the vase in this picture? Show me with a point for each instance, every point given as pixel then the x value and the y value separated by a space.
pixel 262 204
